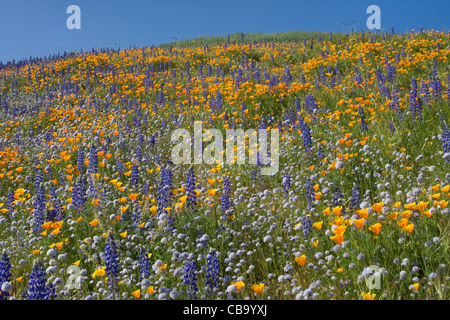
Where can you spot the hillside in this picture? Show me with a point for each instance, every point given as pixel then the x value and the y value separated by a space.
pixel 360 181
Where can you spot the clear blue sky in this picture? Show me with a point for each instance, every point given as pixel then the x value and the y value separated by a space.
pixel 38 28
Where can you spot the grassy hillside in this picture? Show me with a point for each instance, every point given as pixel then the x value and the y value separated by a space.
pixel 92 205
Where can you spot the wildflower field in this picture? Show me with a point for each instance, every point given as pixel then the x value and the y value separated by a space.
pixel 92 206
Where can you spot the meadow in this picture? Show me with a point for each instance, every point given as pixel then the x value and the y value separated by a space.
pixel 93 208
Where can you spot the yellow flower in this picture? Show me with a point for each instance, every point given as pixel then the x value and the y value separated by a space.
pixel 378 207
pixel 363 213
pixel 162 267
pixel 150 290
pixel 136 294
pixel 93 222
pixel 337 210
pixel 258 288
pixel 178 206
pixel 211 192
pixel 442 203
pixel 133 196
pixel 375 228
pixel 318 225
pixel 338 238
pixel 428 213
pixel 99 272
pixel 153 210
pixel 409 228
pixel 359 223
pixel 421 206
pixel 301 260
pixel 77 263
pixel 368 296
pixel 123 234
pixel 403 223
pixel 239 284
pixel 339 229
pixel 393 215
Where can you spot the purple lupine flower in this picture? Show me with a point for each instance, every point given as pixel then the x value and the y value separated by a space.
pixel 212 271
pixel 355 197
pixel 358 79
pixel 111 262
pixel 395 104
pixel 311 105
pixel 166 176
pixel 306 136
pixel 225 198
pixel 134 175
pixel 286 183
pixel 379 76
pixel 37 285
pixel 390 69
pixel 80 161
pixel 310 194
pixel 415 105
pixel 120 167
pixel 391 127
pixel 144 265
pixel 190 188
pixel 10 202
pixel 287 76
pixel 424 92
pixel 363 120
pixel 338 197
pixel 262 124
pixel 384 91
pixel 320 153
pixel 162 198
pixel 190 278
pixel 436 85
pixel 306 225
pixel 135 217
pixel 5 274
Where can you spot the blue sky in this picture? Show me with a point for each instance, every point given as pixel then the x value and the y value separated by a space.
pixel 38 28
